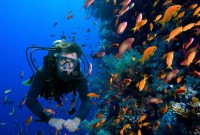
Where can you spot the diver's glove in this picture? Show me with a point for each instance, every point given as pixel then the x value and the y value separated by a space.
pixel 72 124
pixel 56 123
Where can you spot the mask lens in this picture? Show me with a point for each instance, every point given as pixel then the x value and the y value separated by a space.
pixel 71 63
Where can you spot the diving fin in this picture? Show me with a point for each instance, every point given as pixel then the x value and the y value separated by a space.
pixel 26 82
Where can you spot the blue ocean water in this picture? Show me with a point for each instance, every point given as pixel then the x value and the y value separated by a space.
pixel 27 22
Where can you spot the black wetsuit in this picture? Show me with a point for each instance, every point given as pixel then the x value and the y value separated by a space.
pixel 38 87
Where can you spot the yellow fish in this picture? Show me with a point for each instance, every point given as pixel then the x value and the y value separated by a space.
pixel 147 53
pixel 169 13
pixel 174 33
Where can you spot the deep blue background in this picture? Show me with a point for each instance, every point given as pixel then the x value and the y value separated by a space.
pixel 26 22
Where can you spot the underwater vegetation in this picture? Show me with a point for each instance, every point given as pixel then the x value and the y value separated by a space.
pixel 148 74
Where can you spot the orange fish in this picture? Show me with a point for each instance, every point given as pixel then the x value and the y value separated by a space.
pixel 156 125
pixel 126 126
pixel 193 49
pixel 96 125
pixel 168 126
pixel 181 90
pixel 197 62
pixel 127 80
pixel 139 18
pixel 164 109
pixel 28 120
pixel 197 31
pixel 196 73
pixel 171 75
pixel 157 18
pixel 174 33
pixel 188 43
pixel 180 15
pixel 117 20
pixel 69 17
pixel 143 117
pixel 188 26
pixel 59 105
pixel 123 10
pixel 99 123
pixel 169 13
pixel 197 23
pixel 147 53
pixel 100 54
pixel 151 37
pixel 114 2
pixel 115 45
pixel 139 25
pixel 142 83
pixel 102 121
pixel 123 111
pixel 162 75
pixel 139 132
pixel 121 131
pixel 193 6
pixel 99 115
pixel 154 101
pixel 93 95
pixel 125 3
pixel 196 11
pixel 121 28
pixel 189 59
pixel 167 2
pixel 115 11
pixel 150 27
pixel 178 80
pixel 169 58
pixel 126 45
pixel 50 111
pixel 116 120
pixel 88 3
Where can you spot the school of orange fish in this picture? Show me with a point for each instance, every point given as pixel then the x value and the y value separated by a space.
pixel 159 93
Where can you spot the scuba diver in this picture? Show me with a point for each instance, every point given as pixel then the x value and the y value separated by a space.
pixel 60 74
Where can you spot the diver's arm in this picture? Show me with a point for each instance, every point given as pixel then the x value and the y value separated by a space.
pixel 32 98
pixel 85 102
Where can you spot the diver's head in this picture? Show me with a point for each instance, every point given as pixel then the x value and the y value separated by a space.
pixel 68 57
